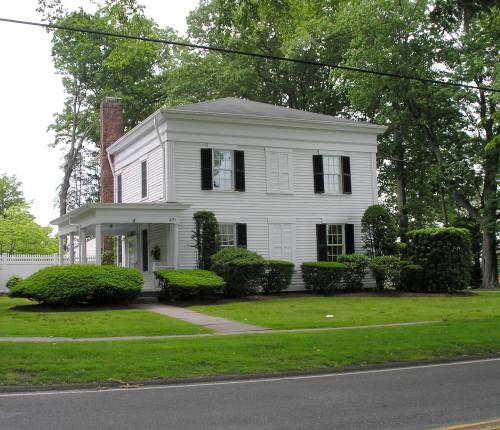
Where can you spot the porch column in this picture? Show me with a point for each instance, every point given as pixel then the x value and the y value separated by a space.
pixel 174 231
pixel 71 248
pixel 98 244
pixel 82 249
pixel 61 250
pixel 124 246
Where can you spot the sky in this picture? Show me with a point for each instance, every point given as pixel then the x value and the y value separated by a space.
pixel 31 92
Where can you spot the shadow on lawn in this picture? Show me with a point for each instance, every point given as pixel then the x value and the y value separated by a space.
pixel 59 309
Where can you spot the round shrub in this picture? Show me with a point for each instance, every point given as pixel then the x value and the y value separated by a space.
pixel 13 281
pixel 277 277
pixel 379 231
pixel 444 255
pixel 323 276
pixel 355 271
pixel 240 268
pixel 191 283
pixel 80 283
pixel 387 271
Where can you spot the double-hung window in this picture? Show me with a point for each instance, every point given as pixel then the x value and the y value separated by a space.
pixel 332 173
pixel 334 241
pixel 227 235
pixel 223 169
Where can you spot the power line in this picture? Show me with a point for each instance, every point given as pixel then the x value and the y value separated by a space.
pixel 249 54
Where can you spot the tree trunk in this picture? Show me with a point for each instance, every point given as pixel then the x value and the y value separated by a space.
pixel 489 267
pixel 401 186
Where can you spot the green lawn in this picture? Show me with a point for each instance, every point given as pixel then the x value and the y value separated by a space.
pixel 312 311
pixel 143 360
pixel 19 317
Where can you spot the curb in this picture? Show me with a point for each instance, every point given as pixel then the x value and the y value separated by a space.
pixel 244 377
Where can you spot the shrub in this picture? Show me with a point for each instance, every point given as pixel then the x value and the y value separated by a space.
pixel 355 271
pixel 240 268
pixel 73 284
pixel 13 281
pixel 323 276
pixel 206 237
pixel 387 271
pixel 444 255
pixel 412 278
pixel 379 231
pixel 277 277
pixel 185 284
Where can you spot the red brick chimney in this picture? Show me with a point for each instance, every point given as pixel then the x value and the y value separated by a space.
pixel 111 130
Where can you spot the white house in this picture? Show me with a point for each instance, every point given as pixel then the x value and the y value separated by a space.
pixel 285 183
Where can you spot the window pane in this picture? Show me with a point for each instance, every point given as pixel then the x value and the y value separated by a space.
pixel 334 241
pixel 223 170
pixel 227 234
pixel 331 171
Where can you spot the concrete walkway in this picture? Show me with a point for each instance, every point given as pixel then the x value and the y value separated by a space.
pixel 217 324
pixel 186 336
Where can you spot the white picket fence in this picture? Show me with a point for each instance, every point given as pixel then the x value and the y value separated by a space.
pixel 25 265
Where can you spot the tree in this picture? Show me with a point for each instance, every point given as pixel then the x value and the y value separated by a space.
pixel 379 231
pixel 10 193
pixel 206 237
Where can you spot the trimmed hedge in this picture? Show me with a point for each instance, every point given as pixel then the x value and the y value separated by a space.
pixel 74 284
pixel 13 281
pixel 185 284
pixel 412 278
pixel 277 277
pixel 445 257
pixel 355 271
pixel 323 276
pixel 240 268
pixel 387 271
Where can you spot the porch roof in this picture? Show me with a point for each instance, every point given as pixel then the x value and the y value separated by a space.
pixel 110 214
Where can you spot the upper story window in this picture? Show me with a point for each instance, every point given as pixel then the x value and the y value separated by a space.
pixel 332 174
pixel 222 169
pixel 279 171
pixel 119 195
pixel 144 179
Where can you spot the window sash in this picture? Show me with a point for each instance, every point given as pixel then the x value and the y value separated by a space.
pixel 335 243
pixel 227 235
pixel 223 168
pixel 332 173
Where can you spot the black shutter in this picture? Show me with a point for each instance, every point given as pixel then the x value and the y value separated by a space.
pixel 346 175
pixel 119 190
pixel 206 169
pixel 349 238
pixel 241 235
pixel 144 179
pixel 321 242
pixel 239 171
pixel 319 182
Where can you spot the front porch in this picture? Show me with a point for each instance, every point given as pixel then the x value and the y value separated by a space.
pixel 124 234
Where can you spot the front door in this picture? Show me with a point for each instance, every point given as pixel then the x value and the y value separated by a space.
pixel 145 253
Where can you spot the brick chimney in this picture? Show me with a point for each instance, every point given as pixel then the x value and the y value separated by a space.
pixel 111 116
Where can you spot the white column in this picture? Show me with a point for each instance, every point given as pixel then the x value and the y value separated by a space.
pixel 61 250
pixel 82 249
pixel 175 245
pixel 98 244
pixel 124 246
pixel 71 248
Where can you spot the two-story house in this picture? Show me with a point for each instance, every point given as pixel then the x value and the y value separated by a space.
pixel 288 184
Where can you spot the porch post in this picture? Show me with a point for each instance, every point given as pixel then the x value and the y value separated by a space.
pixel 71 248
pixel 82 249
pixel 98 244
pixel 175 247
pixel 124 250
pixel 61 250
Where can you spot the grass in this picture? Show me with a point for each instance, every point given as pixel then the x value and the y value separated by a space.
pixel 19 317
pixel 312 311
pixel 242 354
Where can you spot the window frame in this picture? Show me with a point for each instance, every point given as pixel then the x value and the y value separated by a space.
pixel 279 152
pixel 234 233
pixel 214 188
pixel 339 174
pixel 333 245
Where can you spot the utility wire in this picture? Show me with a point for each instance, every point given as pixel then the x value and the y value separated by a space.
pixel 250 54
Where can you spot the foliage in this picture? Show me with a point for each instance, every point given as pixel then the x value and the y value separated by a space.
pixel 445 257
pixel 20 234
pixel 10 193
pixel 355 271
pixel 323 276
pixel 73 284
pixel 379 231
pixel 412 278
pixel 277 277
pixel 185 284
pixel 387 271
pixel 13 281
pixel 240 268
pixel 206 237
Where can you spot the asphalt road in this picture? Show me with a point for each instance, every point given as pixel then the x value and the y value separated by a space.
pixel 402 398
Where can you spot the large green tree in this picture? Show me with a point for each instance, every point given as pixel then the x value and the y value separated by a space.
pixel 10 193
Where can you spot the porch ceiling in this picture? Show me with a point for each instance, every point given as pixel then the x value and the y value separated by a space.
pixel 117 218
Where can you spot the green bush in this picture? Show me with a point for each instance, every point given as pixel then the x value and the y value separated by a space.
pixel 185 284
pixel 206 237
pixel 240 268
pixel 277 276
pixel 355 271
pixel 379 231
pixel 13 281
pixel 323 276
pixel 73 284
pixel 444 255
pixel 387 271
pixel 412 278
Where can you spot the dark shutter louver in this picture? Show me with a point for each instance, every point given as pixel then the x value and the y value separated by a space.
pixel 239 171
pixel 346 175
pixel 349 238
pixel 119 189
pixel 206 169
pixel 321 242
pixel 144 179
pixel 319 182
pixel 241 235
